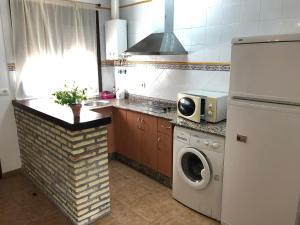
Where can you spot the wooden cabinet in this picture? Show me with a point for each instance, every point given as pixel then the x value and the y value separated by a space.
pixel 148 147
pixel 108 111
pixel 164 147
pixel 120 130
pixel 142 138
pixel 134 136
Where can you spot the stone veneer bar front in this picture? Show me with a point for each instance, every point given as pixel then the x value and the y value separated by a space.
pixel 69 165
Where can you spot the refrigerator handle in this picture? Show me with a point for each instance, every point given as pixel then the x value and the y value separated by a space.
pixel 241 138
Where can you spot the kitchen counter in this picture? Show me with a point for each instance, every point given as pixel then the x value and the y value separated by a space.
pixel 212 128
pixel 62 115
pixel 66 159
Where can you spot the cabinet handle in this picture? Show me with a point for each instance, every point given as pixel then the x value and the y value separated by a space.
pixel 142 121
pixel 137 121
pixel 165 127
pixel 158 141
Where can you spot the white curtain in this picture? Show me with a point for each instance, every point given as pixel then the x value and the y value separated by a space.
pixel 54 44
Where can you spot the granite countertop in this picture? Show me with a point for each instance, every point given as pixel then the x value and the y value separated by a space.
pixel 62 115
pixel 212 128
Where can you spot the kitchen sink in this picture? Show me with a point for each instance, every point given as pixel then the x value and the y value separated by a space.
pixel 96 103
pixel 152 108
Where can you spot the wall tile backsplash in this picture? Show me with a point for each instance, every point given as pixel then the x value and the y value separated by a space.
pixel 166 83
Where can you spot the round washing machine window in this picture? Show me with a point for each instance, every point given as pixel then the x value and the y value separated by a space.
pixel 193 168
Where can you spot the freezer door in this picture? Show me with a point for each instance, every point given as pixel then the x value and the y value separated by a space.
pixel 261 183
pixel 266 70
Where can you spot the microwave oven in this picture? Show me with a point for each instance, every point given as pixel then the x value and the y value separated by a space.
pixel 202 105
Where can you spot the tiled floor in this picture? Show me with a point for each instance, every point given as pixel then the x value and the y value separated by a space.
pixel 135 199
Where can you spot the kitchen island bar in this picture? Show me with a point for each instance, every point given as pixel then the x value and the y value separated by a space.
pixel 67 159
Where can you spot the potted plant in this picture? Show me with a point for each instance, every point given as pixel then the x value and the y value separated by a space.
pixel 71 97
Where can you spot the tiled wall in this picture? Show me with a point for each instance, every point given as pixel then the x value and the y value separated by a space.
pixel 206 27
pixel 165 83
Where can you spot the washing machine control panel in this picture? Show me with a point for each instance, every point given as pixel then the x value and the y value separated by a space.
pixel 183 137
pixel 203 142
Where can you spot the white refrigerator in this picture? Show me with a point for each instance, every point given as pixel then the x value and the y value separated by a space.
pixel 261 183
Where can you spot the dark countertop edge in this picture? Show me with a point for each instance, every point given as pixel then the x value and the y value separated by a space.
pixel 72 127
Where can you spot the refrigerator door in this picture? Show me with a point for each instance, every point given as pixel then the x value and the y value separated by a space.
pixel 261 183
pixel 266 71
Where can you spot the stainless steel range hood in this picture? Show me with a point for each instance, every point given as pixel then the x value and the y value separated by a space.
pixel 165 43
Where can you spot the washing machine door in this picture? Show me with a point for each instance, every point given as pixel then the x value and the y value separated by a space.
pixel 193 168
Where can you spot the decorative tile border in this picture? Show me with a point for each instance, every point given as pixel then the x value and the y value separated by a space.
pixel 203 66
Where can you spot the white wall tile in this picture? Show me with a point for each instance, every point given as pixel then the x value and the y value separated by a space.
pixel 248 29
pixel 270 27
pixel 212 53
pixel 228 32
pixel 213 35
pixel 198 15
pixel 271 9
pixel 182 14
pixel 290 8
pixel 214 15
pixel 290 26
pixel 225 52
pixel 231 13
pixel 198 36
pixel 250 11
pixel 184 36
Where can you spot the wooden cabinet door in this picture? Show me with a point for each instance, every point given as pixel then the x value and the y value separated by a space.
pixel 164 126
pixel 108 111
pixel 164 154
pixel 164 147
pixel 148 147
pixel 120 128
pixel 134 135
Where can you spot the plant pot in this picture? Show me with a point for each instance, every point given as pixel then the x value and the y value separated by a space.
pixel 76 109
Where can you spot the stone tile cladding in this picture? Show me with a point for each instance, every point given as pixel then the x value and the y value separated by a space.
pixel 71 167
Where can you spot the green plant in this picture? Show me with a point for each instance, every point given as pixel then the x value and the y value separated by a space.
pixel 70 96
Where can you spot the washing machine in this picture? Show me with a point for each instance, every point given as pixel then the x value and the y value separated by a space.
pixel 198 170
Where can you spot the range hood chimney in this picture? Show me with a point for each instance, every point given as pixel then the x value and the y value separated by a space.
pixel 115 9
pixel 165 43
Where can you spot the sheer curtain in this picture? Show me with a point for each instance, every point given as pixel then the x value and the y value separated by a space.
pixel 54 44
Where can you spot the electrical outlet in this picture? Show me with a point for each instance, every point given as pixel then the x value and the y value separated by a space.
pixel 4 92
pixel 143 85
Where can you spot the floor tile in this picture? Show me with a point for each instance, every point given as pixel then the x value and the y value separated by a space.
pixel 135 200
